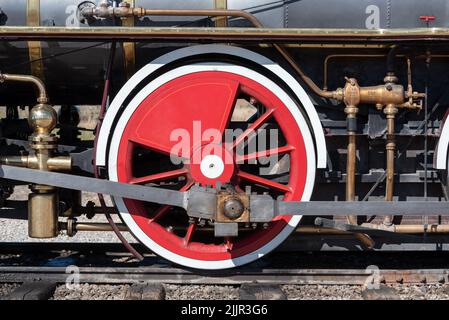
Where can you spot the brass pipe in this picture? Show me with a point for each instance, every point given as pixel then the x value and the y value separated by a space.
pixel 42 98
pixel 33 162
pixel 128 11
pixel 338 56
pixel 350 172
pixel 320 230
pixel 124 11
pixel 390 148
pixel 313 230
pixel 72 227
pixel 421 229
pixel 350 186
pixel 343 56
pixel 16 161
pixel 410 228
pixel 309 82
pixel 98 227
pixel 352 100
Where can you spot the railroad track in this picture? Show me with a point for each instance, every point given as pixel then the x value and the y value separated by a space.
pixel 100 264
pixel 168 275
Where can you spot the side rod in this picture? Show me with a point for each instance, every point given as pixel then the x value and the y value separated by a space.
pixel 203 202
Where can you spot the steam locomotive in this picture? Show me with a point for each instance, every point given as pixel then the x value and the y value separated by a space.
pixel 299 101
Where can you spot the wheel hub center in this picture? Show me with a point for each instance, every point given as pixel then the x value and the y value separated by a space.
pixel 211 164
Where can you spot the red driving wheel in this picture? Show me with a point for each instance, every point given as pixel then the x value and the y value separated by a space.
pixel 186 132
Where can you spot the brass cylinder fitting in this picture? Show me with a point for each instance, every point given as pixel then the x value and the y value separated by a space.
pixel 43 209
pixel 43 203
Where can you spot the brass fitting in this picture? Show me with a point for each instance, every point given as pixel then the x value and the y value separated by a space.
pixel 43 203
pixel 42 97
pixel 105 10
pixel 387 95
pixel 232 207
pixel 72 227
pixel 351 97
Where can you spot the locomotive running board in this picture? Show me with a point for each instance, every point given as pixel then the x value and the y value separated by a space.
pixel 202 203
pixel 245 35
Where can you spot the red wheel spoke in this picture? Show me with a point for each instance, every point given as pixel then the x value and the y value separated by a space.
pixel 160 176
pixel 228 244
pixel 266 153
pixel 253 127
pixel 160 213
pixel 264 182
pixel 150 145
pixel 190 230
pixel 164 209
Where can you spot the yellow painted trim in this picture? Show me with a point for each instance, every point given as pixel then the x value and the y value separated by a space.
pixel 129 48
pixel 34 47
pixel 221 22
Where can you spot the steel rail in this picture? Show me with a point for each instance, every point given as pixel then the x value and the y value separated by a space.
pixel 171 275
pixel 257 35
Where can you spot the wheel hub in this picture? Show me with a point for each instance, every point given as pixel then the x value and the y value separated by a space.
pixel 212 163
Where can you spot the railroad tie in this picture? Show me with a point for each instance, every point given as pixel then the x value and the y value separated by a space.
pixel 257 291
pixel 145 291
pixel 38 290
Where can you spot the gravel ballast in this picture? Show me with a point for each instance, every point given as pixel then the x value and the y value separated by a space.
pixel 197 292
pixel 338 292
pixel 292 292
pixel 91 292
pixel 12 230
pixel 6 289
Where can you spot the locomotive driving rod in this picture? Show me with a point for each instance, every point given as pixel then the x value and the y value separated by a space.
pixel 205 203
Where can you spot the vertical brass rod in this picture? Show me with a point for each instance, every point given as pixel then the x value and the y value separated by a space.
pixel 129 48
pixel 34 47
pixel 390 151
pixel 223 21
pixel 351 111
pixel 350 172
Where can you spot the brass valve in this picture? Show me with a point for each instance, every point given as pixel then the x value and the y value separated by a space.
pixel 388 94
pixel 42 119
